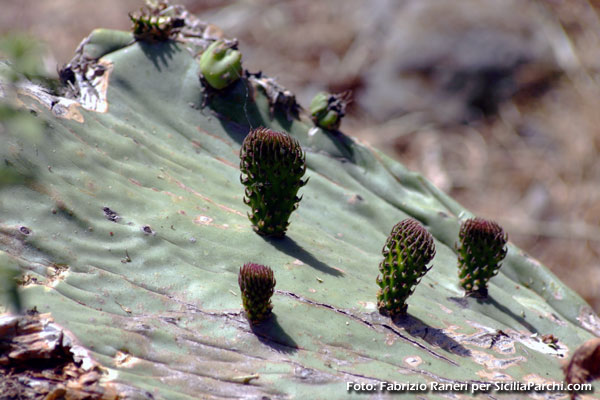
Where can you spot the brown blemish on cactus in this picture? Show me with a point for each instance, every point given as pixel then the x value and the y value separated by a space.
pixel 60 106
pixel 111 215
pixel 56 273
pixel 219 138
pixel 492 363
pixel 355 199
pixel 123 359
pixel 226 162
pixel 445 309
pixel 208 200
pixel 135 182
pixel 504 341
pixel 147 229
pixel 494 376
pixel 390 338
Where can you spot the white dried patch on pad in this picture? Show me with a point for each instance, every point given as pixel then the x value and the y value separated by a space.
pixel 60 106
pixel 490 362
pixel 589 320
pixel 413 361
pixel 203 220
pixel 494 376
pixel 93 89
pixel 125 360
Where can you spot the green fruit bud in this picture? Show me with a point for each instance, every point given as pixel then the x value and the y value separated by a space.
pixel 257 285
pixel 272 165
pixel 328 109
pixel 482 248
pixel 406 253
pixel 221 64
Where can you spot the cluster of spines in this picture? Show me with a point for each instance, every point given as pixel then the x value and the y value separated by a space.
pixel 480 252
pixel 152 25
pixel 257 285
pixel 406 253
pixel 272 165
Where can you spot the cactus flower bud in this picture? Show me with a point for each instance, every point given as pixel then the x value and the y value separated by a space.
pixel 328 109
pixel 272 165
pixel 256 284
pixel 482 248
pixel 221 64
pixel 151 25
pixel 406 253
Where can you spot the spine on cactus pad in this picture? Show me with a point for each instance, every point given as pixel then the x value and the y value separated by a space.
pixel 272 165
pixel 406 253
pixel 480 252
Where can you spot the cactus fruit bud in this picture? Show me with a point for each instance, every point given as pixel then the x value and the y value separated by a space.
pixel 152 25
pixel 482 248
pixel 328 109
pixel 221 64
pixel 406 253
pixel 272 165
pixel 256 284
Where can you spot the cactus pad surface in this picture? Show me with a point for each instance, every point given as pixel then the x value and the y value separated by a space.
pixel 149 288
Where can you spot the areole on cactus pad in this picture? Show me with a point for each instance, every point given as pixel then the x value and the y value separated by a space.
pixel 161 313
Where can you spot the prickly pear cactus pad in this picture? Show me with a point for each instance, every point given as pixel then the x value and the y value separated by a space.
pixel 130 228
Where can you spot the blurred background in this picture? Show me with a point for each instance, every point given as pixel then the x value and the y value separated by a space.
pixel 495 101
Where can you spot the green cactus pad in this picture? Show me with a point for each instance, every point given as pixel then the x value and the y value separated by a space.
pixel 272 165
pixel 480 253
pixel 161 311
pixel 221 64
pixel 406 253
pixel 256 284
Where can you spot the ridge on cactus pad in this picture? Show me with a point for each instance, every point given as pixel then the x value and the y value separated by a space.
pixel 272 165
pixel 481 250
pixel 256 284
pixel 406 253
